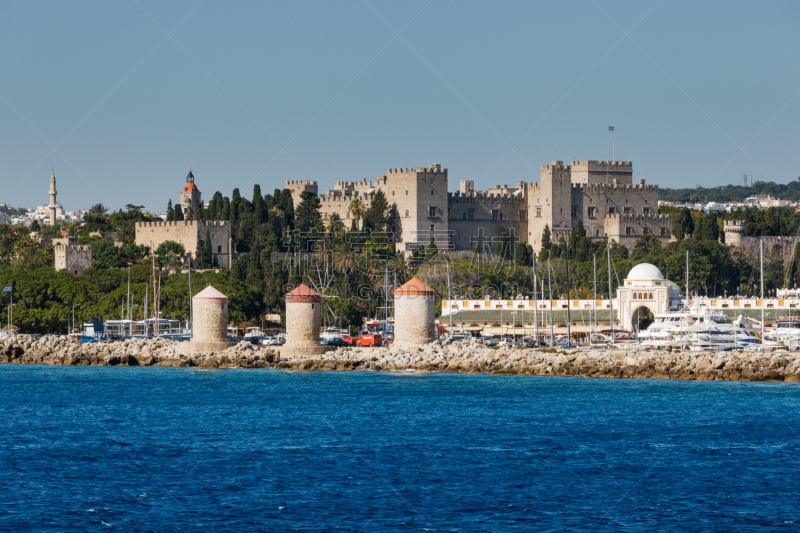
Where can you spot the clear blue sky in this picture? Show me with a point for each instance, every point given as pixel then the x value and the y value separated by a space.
pixel 261 92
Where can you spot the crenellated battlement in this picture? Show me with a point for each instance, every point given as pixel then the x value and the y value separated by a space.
pixel 733 226
pixel 592 165
pixel 603 188
pixel 351 185
pixel 508 198
pixel 433 168
pixel 555 165
pixel 72 247
pixel 300 183
pixel 183 223
pixel 639 218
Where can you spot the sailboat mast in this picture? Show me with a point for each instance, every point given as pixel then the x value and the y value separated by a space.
pixel 761 254
pixel 610 297
pixel 155 296
pixel 569 318
pixel 594 299
pixel 550 286
pixel 687 278
pixel 535 303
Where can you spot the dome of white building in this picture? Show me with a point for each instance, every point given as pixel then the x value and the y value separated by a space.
pixel 645 271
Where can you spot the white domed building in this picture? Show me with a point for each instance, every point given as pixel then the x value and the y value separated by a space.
pixel 644 289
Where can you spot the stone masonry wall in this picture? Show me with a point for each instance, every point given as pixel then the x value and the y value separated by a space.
pixel 73 258
pixel 414 319
pixel 187 233
pixel 210 323
pixel 302 324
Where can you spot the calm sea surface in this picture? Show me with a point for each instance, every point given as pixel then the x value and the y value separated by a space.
pixel 162 449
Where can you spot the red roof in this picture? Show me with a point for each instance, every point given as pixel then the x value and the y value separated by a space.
pixel 189 187
pixel 303 294
pixel 414 287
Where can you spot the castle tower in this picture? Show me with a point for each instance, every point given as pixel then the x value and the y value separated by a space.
pixel 73 258
pixel 550 204
pixel 302 323
pixel 414 314
pixel 734 231
pixel 190 195
pixel 52 206
pixel 209 321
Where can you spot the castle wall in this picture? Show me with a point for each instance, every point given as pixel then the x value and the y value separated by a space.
pixel 73 258
pixel 187 233
pixel 594 203
pixel 626 229
pixel 479 218
pixel 596 172
pixel 549 204
pixel 297 187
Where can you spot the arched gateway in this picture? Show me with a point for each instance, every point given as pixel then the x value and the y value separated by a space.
pixel 644 288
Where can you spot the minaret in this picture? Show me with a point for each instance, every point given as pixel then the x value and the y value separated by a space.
pixel 52 208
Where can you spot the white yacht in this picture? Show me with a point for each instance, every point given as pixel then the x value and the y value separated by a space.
pixel 253 333
pixel 698 326
pixel 786 328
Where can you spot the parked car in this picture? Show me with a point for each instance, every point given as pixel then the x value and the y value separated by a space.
pixel 337 341
pixel 87 340
pixel 349 340
pixel 269 341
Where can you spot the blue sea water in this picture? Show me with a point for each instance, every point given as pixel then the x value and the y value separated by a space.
pixel 176 449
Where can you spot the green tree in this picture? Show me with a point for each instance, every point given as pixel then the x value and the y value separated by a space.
pixel 502 248
pixel 710 227
pixel 544 251
pixel 522 255
pixel 170 211
pixel 376 217
pixel 357 210
pixel 646 246
pixel 208 255
pixel 307 217
pixel 170 255
pixel 683 224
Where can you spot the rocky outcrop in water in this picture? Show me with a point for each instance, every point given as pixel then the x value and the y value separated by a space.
pixel 459 357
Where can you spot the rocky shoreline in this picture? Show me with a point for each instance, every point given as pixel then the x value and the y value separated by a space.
pixel 435 357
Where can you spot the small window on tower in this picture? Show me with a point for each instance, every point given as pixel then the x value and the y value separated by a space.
pixel 470 214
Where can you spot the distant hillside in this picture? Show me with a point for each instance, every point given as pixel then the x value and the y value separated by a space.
pixel 10 211
pixel 732 193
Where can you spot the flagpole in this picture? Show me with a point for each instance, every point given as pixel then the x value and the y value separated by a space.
pixel 613 143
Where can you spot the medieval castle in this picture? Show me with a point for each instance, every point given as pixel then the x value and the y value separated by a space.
pixel 601 194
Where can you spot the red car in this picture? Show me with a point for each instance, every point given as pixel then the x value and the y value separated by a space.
pixel 370 340
pixel 348 339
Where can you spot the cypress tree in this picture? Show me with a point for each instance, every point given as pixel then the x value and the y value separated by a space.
pixel 177 213
pixel 170 212
pixel 521 255
pixel 199 256
pixel 375 217
pixel 207 253
pixel 546 244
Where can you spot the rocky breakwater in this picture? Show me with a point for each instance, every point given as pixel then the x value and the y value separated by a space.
pixel 56 350
pixel 475 357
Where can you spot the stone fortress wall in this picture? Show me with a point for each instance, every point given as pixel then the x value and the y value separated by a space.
pixel 73 258
pixel 601 194
pixel 734 235
pixel 479 218
pixel 187 233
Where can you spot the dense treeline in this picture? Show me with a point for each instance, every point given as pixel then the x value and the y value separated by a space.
pixel 280 245
pixel 731 193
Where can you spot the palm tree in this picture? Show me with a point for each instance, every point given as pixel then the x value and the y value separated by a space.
pixel 357 208
pixel 98 210
pixel 399 263
pixel 343 258
pixel 334 224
